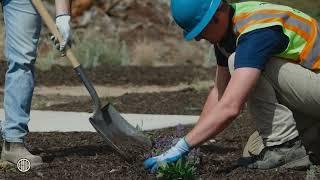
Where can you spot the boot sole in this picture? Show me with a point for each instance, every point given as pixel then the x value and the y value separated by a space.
pixel 299 164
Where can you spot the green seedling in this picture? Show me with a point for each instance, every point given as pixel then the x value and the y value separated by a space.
pixel 313 173
pixel 182 169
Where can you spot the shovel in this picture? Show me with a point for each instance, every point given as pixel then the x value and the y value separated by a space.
pixel 107 121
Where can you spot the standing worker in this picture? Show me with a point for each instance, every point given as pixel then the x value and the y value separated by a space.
pixel 269 56
pixel 22 31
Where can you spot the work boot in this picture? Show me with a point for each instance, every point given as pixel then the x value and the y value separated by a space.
pixel 13 152
pixel 290 155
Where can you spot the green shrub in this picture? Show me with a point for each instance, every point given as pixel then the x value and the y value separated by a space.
pixel 44 63
pixel 93 52
pixel 182 169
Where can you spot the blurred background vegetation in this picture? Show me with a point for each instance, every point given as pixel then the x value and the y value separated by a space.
pixel 133 32
pixel 311 7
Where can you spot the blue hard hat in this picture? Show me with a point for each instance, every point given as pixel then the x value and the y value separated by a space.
pixel 193 15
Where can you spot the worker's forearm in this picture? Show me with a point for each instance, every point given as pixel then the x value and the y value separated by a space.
pixel 221 82
pixel 217 119
pixel 222 79
pixel 211 124
pixel 211 102
pixel 63 7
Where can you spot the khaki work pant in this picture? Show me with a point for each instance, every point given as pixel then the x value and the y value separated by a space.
pixel 285 104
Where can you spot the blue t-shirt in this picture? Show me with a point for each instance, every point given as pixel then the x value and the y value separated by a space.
pixel 254 48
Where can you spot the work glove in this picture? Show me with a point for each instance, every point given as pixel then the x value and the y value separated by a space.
pixel 63 25
pixel 172 155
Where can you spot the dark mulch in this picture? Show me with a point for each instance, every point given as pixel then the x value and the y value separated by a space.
pixel 121 75
pixel 188 102
pixel 85 155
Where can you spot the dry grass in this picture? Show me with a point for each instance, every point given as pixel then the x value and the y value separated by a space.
pixel 170 51
pixel 189 52
pixel 184 52
pixel 91 48
pixel 145 53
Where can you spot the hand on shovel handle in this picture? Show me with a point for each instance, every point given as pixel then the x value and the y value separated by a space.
pixel 108 122
pixel 54 30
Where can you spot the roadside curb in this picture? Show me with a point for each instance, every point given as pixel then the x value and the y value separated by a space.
pixel 56 121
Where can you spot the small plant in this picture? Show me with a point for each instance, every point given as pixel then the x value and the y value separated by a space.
pixel 182 169
pixel 313 173
pixel 96 51
pixel 91 50
pixel 185 168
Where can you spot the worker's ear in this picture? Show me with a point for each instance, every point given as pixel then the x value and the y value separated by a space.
pixel 221 13
pixel 215 19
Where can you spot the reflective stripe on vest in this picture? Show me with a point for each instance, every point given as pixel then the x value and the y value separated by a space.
pixel 302 30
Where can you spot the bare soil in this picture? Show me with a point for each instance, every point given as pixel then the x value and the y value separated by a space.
pixel 81 155
pixel 85 155
pixel 121 75
pixel 188 101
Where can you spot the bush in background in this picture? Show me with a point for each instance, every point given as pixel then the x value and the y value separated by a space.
pixel 94 51
pixel 91 50
pixel 44 63
pixel 145 53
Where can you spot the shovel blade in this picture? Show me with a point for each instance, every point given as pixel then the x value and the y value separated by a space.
pixel 119 134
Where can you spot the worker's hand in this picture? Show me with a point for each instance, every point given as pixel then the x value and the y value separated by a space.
pixel 63 25
pixel 172 155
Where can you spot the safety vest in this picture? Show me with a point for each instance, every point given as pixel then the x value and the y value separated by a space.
pixel 301 29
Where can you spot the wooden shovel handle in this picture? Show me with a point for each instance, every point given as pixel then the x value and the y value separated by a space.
pixel 54 30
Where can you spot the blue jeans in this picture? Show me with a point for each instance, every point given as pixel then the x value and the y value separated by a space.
pixel 22 31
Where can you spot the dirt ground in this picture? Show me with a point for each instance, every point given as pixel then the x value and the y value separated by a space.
pixel 188 101
pixel 85 155
pixel 121 75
